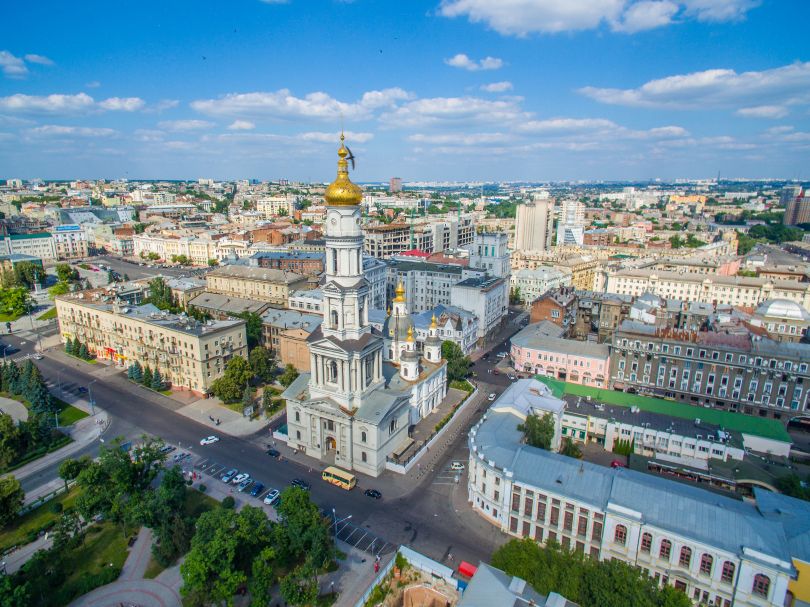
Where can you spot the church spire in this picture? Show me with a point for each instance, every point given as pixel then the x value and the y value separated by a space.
pixel 342 192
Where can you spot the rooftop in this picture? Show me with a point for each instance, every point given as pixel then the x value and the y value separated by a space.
pixel 537 338
pixel 227 304
pixel 254 273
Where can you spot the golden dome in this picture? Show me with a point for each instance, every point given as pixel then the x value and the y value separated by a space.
pixel 433 322
pixel 400 292
pixel 410 334
pixel 342 192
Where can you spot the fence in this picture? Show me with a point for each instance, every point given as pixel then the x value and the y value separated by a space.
pixel 44 499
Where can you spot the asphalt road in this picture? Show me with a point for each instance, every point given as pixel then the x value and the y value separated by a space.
pixel 134 271
pixel 425 519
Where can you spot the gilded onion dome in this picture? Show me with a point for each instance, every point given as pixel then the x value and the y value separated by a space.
pixel 342 192
pixel 400 292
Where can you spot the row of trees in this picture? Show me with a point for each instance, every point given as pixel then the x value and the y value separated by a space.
pixel 146 377
pixel 239 375
pixel 25 274
pixel 231 550
pixel 66 279
pixel 75 347
pixel 583 580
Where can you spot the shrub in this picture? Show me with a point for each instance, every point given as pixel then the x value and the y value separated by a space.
pixel 229 502
pixel 56 507
pixel 202 488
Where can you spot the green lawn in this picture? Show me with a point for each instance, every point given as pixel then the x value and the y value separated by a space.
pixel 104 544
pixel 49 315
pixel 735 422
pixel 17 532
pixel 9 317
pixel 92 361
pixel 68 414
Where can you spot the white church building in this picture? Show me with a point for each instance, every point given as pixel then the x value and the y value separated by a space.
pixel 358 402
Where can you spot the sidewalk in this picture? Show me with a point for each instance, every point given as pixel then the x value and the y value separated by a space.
pixel 18 558
pixel 233 423
pixel 353 577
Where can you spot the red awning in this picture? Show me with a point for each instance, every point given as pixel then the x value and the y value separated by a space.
pixel 466 569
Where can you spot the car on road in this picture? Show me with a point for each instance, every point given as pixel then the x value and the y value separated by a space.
pixel 82 390
pixel 512 377
pixel 245 484
pixel 297 482
pixel 373 493
pixel 239 478
pixel 457 466
pixel 209 440
pixel 496 372
pixel 271 497
pixel 168 449
pixel 491 396
pixel 37 356
pixel 485 356
pixel 617 464
pixel 226 478
pixel 257 490
pixel 502 354
pixel 274 453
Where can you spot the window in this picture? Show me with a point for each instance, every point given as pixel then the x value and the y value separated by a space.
pixel 596 531
pixel 646 543
pixel 568 521
pixel 706 564
pixel 762 583
pixel 298 416
pixel 332 371
pixel 363 436
pixel 620 535
pixel 686 557
pixel 666 549
pixel 363 456
pixel 728 572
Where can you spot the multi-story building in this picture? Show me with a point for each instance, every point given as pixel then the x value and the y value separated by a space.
pixel 732 290
pixel 169 211
pixel 427 285
pixel 273 206
pixel 188 353
pixel 489 252
pixel 272 286
pixel 784 320
pixel 797 210
pixel 39 244
pixel 70 242
pixel 558 306
pixel 487 297
pixel 395 185
pixel 292 261
pixel 198 250
pixel 440 234
pixel 531 284
pixel 285 332
pixel 375 272
pixel 308 300
pixel 534 225
pixel 716 549
pixel 571 227
pixel 583 270
pixel 740 372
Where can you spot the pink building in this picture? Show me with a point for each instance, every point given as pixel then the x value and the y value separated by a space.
pixel 578 362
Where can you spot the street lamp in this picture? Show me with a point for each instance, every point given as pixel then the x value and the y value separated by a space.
pixel 90 396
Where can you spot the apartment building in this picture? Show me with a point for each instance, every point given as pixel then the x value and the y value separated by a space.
pixel 718 550
pixel 272 286
pixel 189 354
pixel 534 225
pixel 38 244
pixel 291 261
pixel 534 283
pixel 487 297
pixel 70 242
pixel 489 252
pixel 741 372
pixel 308 300
pixel 784 320
pixel 286 332
pixel 384 241
pixel 273 206
pixel 198 250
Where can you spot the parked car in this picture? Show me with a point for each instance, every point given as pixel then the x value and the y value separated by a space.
pixel 491 396
pixel 226 478
pixel 245 484
pixel 257 490
pixel 456 466
pixel 274 453
pixel 297 482
pixel 271 497
pixel 373 493
pixel 239 478
pixel 209 440
pixel 512 378
pixel 502 354
pixel 168 449
pixel 617 464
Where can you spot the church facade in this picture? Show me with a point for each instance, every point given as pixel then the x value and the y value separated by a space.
pixel 356 405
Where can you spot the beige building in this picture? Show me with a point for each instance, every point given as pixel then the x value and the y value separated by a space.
pixel 583 271
pixel 70 242
pixel 262 284
pixel 189 354
pixel 731 290
pixel 534 225
pixel 273 206
pixel 198 250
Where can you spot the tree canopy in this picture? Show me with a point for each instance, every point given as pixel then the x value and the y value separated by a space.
pixel 230 387
pixel 538 431
pixel 458 365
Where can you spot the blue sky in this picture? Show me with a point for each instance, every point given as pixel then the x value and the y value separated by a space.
pixel 427 89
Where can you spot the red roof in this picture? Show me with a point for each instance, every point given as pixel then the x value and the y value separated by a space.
pixel 416 253
pixel 466 569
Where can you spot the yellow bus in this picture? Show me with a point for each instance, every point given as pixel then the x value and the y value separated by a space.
pixel 341 478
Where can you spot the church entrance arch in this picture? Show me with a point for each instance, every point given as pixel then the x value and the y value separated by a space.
pixel 331 445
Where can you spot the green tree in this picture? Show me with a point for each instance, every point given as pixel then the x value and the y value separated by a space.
pixel 147 377
pixel 70 469
pixel 261 363
pixel 157 380
pixel 253 328
pixel 29 274
pixel 11 499
pixel 458 365
pixel 792 485
pixel 12 593
pixel 213 262
pixel 299 588
pixel 14 302
pixel 676 242
pixel 60 288
pixel 538 431
pixel 160 295
pixel 230 387
pixel 262 577
pixel 10 440
pixel 302 531
pixel 84 353
pixel 289 375
pixel 570 448
pixel 65 273
pixel 515 296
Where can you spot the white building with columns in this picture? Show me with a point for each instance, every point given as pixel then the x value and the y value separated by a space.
pixel 355 408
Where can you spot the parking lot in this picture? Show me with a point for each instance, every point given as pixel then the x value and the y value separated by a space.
pixel 362 538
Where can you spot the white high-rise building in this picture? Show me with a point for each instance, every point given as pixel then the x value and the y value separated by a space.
pixel 489 252
pixel 571 229
pixel 534 225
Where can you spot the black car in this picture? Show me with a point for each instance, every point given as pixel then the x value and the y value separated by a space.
pixel 297 482
pixel 273 453
pixel 372 493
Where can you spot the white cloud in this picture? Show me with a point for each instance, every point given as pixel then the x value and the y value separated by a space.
pixel 48 104
pixel 461 139
pixel 149 135
pixel 454 111
pixel 93 84
pixel 646 15
pixel 464 62
pixel 523 17
pixel 11 66
pixel 497 87
pixel 283 104
pixel 714 88
pixel 55 130
pixel 566 125
pixel 351 137
pixel 185 125
pixel 125 104
pixel 763 111
pixel 241 125
pixel 38 59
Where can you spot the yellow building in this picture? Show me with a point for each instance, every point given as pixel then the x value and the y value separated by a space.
pixel 261 284
pixel 189 354
pixel 583 271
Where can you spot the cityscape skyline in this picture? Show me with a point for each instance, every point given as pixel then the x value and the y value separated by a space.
pixel 612 90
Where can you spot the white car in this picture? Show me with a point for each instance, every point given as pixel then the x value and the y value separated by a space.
pixel 37 356
pixel 271 497
pixel 502 354
pixel 209 440
pixel 491 396
pixel 239 478
pixel 456 466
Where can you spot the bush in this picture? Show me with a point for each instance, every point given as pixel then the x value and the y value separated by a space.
pixel 229 503
pixel 202 488
pixel 56 507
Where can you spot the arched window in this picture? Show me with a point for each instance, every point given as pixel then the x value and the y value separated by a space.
pixel 706 561
pixel 298 416
pixel 363 456
pixel 334 319
pixel 646 543
pixel 363 436
pixel 666 549
pixel 686 557
pixel 620 535
pixel 333 371
pixel 762 584
pixel 392 426
pixel 728 572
